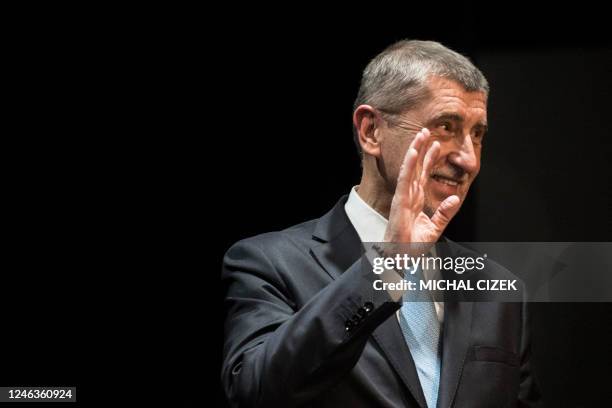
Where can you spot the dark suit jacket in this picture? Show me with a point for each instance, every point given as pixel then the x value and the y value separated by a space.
pixel 289 295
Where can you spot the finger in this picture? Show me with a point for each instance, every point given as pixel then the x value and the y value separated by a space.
pixel 406 173
pixel 422 147
pixel 445 212
pixel 406 164
pixel 417 142
pixel 430 158
pixel 422 151
pixel 408 170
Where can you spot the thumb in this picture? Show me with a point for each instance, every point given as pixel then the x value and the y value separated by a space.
pixel 445 212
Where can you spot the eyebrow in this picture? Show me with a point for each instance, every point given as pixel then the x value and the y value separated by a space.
pixel 457 118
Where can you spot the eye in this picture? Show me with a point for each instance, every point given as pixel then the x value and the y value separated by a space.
pixel 445 126
pixel 479 135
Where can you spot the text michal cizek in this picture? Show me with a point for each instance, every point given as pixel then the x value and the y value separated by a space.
pixel 449 285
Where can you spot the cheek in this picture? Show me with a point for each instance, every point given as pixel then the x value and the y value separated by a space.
pixel 477 168
pixel 393 157
pixel 477 151
pixel 445 150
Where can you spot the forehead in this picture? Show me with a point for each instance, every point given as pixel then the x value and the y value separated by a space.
pixel 448 96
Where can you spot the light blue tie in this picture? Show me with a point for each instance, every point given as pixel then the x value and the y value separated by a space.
pixel 421 329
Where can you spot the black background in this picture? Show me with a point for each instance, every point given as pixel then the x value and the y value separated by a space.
pixel 143 143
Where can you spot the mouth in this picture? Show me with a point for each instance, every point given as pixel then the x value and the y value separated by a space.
pixel 452 182
pixel 444 186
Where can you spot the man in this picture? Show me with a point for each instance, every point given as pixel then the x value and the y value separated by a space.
pixel 304 324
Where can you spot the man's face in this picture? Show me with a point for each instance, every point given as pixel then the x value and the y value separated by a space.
pixel 457 119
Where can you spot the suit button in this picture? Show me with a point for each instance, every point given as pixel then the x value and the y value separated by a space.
pixel 362 312
pixel 368 306
pixel 356 320
pixel 348 325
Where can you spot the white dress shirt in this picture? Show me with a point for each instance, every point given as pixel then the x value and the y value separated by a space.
pixel 371 227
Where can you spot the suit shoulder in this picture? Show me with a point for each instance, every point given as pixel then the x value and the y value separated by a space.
pixel 299 236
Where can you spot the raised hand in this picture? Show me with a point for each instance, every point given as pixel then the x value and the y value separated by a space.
pixel 407 221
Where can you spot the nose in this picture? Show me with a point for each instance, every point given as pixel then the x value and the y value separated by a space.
pixel 464 155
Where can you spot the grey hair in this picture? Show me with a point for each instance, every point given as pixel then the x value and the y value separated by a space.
pixel 396 79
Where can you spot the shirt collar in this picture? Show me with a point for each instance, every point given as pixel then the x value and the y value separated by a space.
pixel 368 223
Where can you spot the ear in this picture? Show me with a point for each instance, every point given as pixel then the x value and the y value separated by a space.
pixel 367 123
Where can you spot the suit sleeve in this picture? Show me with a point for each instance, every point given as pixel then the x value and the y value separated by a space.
pixel 529 392
pixel 278 355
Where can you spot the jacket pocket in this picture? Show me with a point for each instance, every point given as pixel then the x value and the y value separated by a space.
pixel 494 354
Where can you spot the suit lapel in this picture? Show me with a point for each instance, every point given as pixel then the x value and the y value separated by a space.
pixel 340 253
pixel 390 339
pixel 337 247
